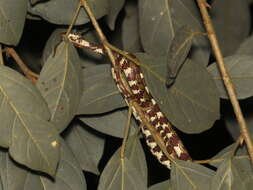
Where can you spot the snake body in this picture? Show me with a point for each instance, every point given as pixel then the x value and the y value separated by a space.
pixel 139 92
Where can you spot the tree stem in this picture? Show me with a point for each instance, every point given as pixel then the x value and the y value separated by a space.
pixel 225 76
pixel 74 19
pixel 28 73
pixel 126 132
pixel 1 56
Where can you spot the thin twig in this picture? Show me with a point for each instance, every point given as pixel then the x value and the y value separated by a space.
pixel 1 56
pixel 123 147
pixel 126 132
pixel 219 159
pixel 74 19
pixel 236 145
pixel 28 73
pixel 225 76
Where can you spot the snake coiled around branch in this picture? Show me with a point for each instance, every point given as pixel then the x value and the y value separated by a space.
pixel 137 90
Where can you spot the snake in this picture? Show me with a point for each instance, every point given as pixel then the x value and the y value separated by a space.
pixel 139 92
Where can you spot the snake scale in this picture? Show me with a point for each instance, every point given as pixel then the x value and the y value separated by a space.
pixel 139 92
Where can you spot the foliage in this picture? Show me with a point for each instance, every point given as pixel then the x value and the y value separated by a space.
pixel 62 117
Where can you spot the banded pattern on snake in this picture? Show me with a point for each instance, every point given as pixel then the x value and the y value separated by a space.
pixel 139 92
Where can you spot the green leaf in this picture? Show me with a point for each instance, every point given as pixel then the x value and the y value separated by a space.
pixel 192 103
pixel 130 28
pixel 179 49
pixel 159 20
pixel 231 29
pixel 31 139
pixel 114 8
pixel 121 174
pixel 227 177
pixel 190 176
pixel 165 185
pixel 52 42
pixel 240 69
pixel 240 160
pixel 69 175
pixel 112 123
pixel 1 183
pixel 222 155
pixel 243 166
pixel 62 11
pixel 11 173
pixel 12 20
pixel 246 47
pixel 35 143
pixel 86 146
pixel 185 12
pixel 249 182
pixel 60 83
pixel 135 154
pixel 155 19
pixel 100 92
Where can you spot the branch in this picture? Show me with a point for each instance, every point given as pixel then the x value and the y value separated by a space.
pixel 225 76
pixel 28 73
pixel 219 159
pixel 126 132
pixel 1 56
pixel 74 19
